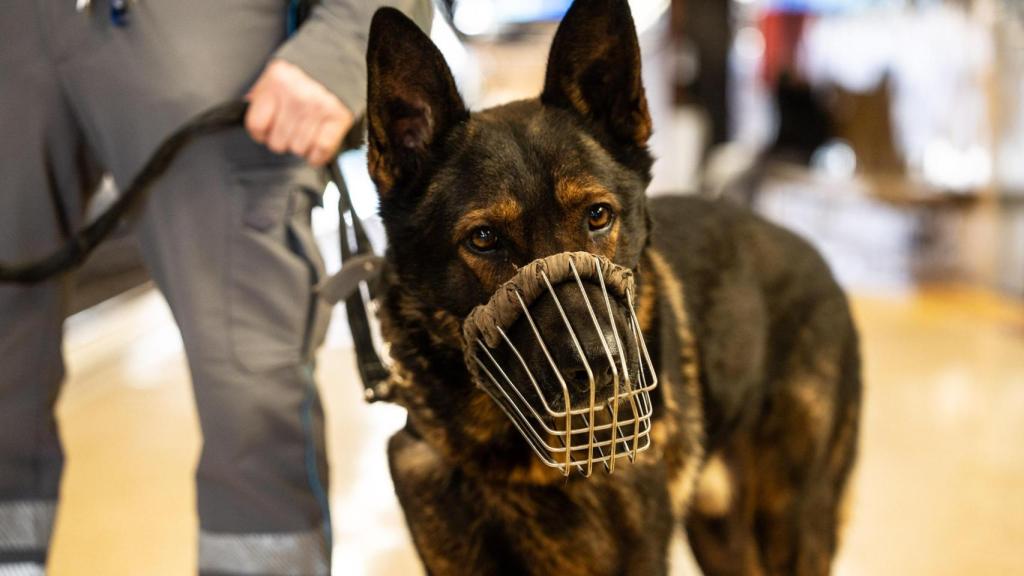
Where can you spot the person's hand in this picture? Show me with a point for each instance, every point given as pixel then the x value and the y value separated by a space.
pixel 291 112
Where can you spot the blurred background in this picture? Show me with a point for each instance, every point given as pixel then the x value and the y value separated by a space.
pixel 890 133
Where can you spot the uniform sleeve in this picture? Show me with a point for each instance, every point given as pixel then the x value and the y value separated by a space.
pixel 331 45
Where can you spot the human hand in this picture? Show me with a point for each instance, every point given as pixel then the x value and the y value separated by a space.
pixel 291 112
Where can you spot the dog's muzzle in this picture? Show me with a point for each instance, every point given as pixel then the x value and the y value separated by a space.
pixel 560 350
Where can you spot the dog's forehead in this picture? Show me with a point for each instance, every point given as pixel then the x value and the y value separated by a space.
pixel 521 152
pixel 534 131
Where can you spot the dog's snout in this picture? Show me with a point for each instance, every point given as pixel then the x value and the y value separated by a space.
pixel 583 334
pixel 561 352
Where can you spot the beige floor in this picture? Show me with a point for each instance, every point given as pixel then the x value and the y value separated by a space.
pixel 938 488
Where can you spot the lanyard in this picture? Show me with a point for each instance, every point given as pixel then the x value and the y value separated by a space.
pixel 118 10
pixel 297 12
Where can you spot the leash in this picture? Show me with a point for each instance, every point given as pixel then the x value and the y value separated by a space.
pixel 78 247
pixel 360 264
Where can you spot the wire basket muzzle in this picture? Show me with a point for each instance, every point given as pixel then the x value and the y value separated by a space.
pixel 559 349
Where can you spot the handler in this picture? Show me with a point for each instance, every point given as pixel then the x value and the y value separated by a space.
pixel 225 234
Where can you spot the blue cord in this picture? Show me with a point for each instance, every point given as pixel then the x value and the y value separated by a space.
pixel 294 8
pixel 312 468
pixel 119 13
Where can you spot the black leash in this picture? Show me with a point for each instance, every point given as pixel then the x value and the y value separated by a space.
pixel 360 263
pixel 78 247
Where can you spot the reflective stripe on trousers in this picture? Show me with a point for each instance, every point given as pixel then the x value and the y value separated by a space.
pixel 25 528
pixel 25 525
pixel 280 554
pixel 23 569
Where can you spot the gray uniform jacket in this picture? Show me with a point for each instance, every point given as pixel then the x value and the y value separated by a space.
pixel 331 45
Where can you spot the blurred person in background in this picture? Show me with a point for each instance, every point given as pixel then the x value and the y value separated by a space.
pixel 90 89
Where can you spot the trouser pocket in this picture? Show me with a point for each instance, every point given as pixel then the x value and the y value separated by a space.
pixel 273 316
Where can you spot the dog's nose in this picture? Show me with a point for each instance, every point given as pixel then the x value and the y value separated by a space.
pixel 581 338
pixel 579 379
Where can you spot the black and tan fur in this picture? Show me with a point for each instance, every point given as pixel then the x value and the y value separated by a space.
pixel 756 414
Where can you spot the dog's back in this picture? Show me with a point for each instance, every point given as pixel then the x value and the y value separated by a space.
pixel 780 385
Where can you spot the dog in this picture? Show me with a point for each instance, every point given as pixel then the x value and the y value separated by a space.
pixel 755 415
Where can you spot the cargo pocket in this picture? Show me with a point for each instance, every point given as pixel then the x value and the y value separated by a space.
pixel 272 314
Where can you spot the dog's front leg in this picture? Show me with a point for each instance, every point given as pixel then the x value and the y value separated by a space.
pixel 445 512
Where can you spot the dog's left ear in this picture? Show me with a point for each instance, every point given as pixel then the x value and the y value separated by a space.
pixel 594 70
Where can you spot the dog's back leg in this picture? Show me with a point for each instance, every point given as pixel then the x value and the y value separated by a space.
pixel 806 442
pixel 768 502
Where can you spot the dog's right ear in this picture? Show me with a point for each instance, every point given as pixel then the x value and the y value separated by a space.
pixel 412 99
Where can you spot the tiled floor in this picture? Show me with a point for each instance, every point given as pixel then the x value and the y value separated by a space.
pixel 938 486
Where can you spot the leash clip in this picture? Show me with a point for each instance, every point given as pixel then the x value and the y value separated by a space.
pixel 341 286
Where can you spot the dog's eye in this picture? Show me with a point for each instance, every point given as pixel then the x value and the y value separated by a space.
pixel 599 217
pixel 483 239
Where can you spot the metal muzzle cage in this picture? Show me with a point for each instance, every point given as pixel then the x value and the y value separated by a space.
pixel 567 427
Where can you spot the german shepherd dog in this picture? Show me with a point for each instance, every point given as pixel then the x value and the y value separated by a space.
pixel 755 416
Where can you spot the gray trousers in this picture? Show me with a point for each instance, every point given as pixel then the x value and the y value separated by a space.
pixel 226 235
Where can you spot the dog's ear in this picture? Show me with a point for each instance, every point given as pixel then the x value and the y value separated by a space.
pixel 594 69
pixel 412 100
